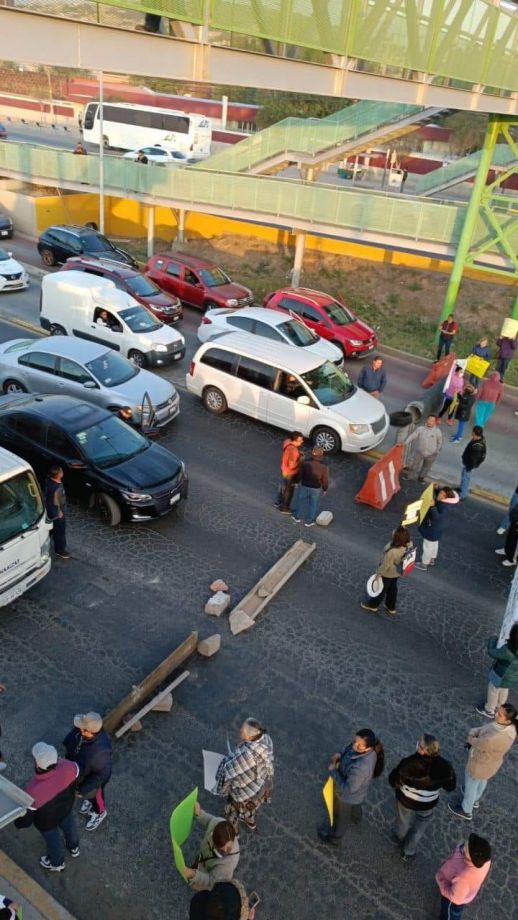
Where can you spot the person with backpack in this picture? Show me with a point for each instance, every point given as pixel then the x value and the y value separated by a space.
pixel 291 462
pixel 462 875
pixel 219 852
pixel 503 675
pixel 352 771
pixel 473 456
pixel 389 570
pixel 432 525
pixel 465 403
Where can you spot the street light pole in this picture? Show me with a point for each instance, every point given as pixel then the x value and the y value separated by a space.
pixel 101 152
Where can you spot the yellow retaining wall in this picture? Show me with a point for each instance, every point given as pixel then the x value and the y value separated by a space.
pixel 125 217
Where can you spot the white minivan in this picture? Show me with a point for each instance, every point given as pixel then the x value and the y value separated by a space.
pixel 92 308
pixel 288 388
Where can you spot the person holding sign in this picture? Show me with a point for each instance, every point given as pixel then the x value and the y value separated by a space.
pixel 490 394
pixel 352 771
pixel 480 350
pixel 245 775
pixel 432 525
pixel 219 852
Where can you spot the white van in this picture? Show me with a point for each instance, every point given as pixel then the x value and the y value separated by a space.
pixel 288 388
pixel 74 303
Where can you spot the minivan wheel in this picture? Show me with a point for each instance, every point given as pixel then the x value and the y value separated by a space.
pixel 214 401
pixel 137 358
pixel 108 509
pixel 14 386
pixel 55 329
pixel 326 439
pixel 47 257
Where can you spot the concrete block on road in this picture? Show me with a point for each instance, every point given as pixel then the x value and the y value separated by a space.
pixel 239 621
pixel 324 518
pixel 217 604
pixel 219 585
pixel 165 704
pixel 209 646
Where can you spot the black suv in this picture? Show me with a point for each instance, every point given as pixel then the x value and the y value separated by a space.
pixel 105 462
pixel 61 242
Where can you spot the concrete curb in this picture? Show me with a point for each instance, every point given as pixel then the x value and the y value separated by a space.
pixel 43 902
pixel 22 323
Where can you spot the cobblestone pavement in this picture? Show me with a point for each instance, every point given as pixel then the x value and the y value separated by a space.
pixel 314 669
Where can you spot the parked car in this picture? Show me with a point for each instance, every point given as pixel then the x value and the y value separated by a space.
pixel 106 463
pixel 6 227
pixel 328 317
pixel 164 306
pixel 73 303
pixel 289 388
pixel 87 370
pixel 197 282
pixel 159 156
pixel 13 276
pixel 269 324
pixel 61 242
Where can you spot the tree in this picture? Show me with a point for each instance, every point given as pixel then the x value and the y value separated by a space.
pixel 469 129
pixel 291 105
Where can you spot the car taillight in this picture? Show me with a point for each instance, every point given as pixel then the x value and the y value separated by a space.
pixel 206 321
pixel 191 369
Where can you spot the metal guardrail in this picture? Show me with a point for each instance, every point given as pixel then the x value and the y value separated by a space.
pixel 461 169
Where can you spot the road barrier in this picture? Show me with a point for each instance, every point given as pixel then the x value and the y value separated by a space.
pixel 382 480
pixel 440 370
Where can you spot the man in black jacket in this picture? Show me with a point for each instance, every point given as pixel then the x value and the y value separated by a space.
pixel 474 454
pixel 314 480
pixel 55 507
pixel 89 746
pixel 418 780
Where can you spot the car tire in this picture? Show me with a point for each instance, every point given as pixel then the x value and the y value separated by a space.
pixel 108 509
pixel 209 305
pixel 137 358
pixel 214 401
pixel 48 258
pixel 14 386
pixel 327 439
pixel 56 329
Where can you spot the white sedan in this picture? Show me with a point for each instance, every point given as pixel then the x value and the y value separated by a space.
pixel 159 156
pixel 13 276
pixel 269 324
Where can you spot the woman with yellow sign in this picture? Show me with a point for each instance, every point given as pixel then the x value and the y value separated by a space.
pixel 352 771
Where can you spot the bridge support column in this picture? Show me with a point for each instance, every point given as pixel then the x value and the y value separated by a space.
pixel 300 243
pixel 150 230
pixel 180 233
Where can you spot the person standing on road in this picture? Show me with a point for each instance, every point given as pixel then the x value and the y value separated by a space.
pixel 489 396
pixel 473 456
pixel 55 503
pixel 506 520
pixel 450 395
pixel 89 746
pixel 432 525
pixel 503 676
pixel 480 350
pixel 418 780
pixel 53 790
pixel 427 443
pixel 373 378
pixel 245 776
pixel 447 332
pixel 506 350
pixel 511 540
pixel 389 571
pixel 487 747
pixel 314 481
pixel 352 772
pixel 226 901
pixel 465 403
pixel 80 149
pixel 462 875
pixel 219 852
pixel 291 462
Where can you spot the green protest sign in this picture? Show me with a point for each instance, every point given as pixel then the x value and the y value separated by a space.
pixel 180 825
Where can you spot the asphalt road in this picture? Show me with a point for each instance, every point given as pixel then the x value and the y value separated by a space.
pixel 314 669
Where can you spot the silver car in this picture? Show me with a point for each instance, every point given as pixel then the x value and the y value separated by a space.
pixel 74 367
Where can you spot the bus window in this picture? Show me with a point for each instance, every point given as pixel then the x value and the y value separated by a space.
pixel 90 113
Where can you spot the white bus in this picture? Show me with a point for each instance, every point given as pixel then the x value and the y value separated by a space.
pixel 24 529
pixel 127 127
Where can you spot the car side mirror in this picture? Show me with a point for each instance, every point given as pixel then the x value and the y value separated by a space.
pixel 76 465
pixel 90 385
pixel 304 400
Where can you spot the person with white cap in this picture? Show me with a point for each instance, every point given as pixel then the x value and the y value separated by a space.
pixel 90 747
pixel 53 790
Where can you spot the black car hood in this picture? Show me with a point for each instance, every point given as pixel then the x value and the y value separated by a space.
pixel 150 469
pixel 114 255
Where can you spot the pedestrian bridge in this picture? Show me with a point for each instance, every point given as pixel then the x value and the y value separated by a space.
pixel 459 54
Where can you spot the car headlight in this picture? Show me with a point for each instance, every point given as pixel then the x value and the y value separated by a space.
pixel 359 429
pixel 136 496
pixel 356 342
pixel 232 303
pixel 156 347
pixel 45 549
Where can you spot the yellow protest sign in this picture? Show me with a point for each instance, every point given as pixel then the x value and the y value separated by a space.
pixel 411 513
pixel 328 793
pixel 426 502
pixel 509 328
pixel 476 366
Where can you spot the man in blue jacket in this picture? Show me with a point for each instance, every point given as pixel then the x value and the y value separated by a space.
pixel 373 378
pixel 431 527
pixel 90 747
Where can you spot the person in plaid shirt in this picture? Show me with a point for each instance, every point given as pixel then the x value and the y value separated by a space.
pixel 245 776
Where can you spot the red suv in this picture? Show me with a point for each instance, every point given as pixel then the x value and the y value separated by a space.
pixel 166 308
pixel 197 282
pixel 328 317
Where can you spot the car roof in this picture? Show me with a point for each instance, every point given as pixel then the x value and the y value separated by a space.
pixel 71 414
pixel 10 464
pixel 108 265
pixel 318 297
pixel 272 317
pixel 186 259
pixel 67 346
pixel 254 346
pixel 78 279
pixel 73 228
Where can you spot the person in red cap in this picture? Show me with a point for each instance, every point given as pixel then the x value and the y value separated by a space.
pixel 90 747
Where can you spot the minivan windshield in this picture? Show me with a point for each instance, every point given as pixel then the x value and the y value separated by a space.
pixel 96 242
pixel 111 369
pixel 110 442
pixel 298 333
pixel 140 320
pixel 212 277
pixel 337 313
pixel 329 383
pixel 21 506
pixel 143 286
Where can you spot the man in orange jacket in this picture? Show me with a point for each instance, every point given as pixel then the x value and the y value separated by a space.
pixel 291 462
